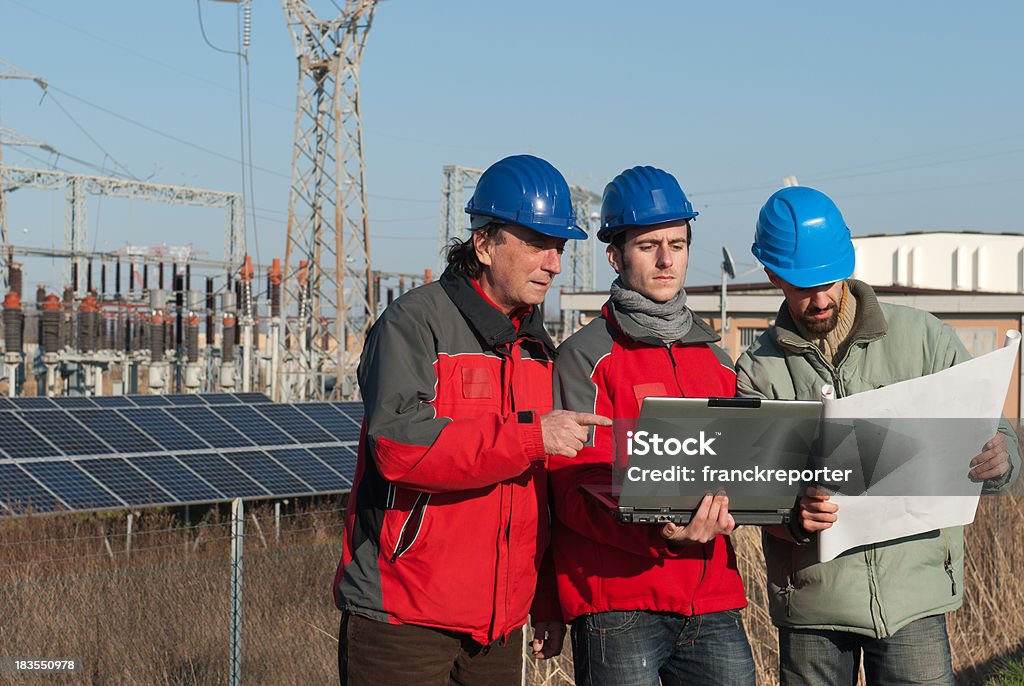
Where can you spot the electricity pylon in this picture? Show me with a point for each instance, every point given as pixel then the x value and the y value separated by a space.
pixel 327 298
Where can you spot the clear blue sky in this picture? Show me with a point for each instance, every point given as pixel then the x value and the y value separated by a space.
pixel 908 113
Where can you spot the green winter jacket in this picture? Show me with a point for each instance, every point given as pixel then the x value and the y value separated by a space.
pixel 871 590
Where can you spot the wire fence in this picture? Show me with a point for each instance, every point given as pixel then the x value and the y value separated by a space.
pixel 155 606
pixel 149 600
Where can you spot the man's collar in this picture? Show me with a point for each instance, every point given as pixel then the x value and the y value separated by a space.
pixel 516 316
pixel 486 319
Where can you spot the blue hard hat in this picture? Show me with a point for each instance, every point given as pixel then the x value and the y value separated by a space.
pixel 642 196
pixel 528 191
pixel 803 238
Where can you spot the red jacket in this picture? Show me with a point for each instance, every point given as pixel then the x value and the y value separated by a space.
pixel 447 522
pixel 609 367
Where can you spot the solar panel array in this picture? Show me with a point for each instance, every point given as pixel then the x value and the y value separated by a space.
pixel 116 452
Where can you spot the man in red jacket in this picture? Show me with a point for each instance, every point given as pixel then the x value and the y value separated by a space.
pixel 645 602
pixel 447 524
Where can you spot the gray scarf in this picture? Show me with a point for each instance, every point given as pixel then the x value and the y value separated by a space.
pixel 668 321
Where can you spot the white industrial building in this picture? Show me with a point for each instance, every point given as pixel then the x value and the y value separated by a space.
pixel 943 260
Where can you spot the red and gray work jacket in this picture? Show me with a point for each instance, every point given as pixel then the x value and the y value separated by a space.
pixel 609 367
pixel 447 523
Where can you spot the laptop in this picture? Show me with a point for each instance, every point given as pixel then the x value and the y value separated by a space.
pixel 759 452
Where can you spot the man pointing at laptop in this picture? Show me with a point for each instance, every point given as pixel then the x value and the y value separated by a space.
pixel 645 602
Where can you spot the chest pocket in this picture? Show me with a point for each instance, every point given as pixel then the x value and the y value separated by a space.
pixel 476 384
pixel 648 390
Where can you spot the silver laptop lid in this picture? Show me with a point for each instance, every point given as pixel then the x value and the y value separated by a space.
pixel 758 451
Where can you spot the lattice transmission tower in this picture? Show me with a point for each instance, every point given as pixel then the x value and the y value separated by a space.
pixel 327 299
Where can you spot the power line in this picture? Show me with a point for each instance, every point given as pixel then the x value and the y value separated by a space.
pixel 936 163
pixel 128 50
pixel 89 136
pixel 59 154
pixel 163 134
pixel 201 148
pixel 871 168
pixel 202 31
pixel 266 101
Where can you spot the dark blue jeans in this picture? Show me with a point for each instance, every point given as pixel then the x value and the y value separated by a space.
pixel 636 648
pixel 916 654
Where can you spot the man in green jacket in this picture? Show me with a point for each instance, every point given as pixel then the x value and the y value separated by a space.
pixel 886 600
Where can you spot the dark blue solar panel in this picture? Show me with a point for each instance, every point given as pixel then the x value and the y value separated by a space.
pixel 19 441
pixel 185 399
pixel 113 401
pixel 253 425
pixel 72 485
pixel 150 400
pixel 21 494
pixel 219 399
pixel 161 427
pixel 75 401
pixel 271 475
pixel 127 483
pixel 252 398
pixel 310 469
pixel 117 431
pixel 31 402
pixel 261 458
pixel 353 410
pixel 222 476
pixel 183 484
pixel 341 459
pixel 210 427
pixel 61 429
pixel 5 403
pixel 295 423
pixel 337 424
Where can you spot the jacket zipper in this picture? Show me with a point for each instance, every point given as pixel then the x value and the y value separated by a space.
pixel 508 555
pixel 401 547
pixel 504 530
pixel 833 370
pixel 675 370
pixel 870 553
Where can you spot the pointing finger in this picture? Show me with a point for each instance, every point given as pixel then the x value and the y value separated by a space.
pixel 587 419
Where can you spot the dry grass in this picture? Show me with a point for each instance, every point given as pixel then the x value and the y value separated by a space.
pixel 161 616
pixel 990 627
pixel 987 631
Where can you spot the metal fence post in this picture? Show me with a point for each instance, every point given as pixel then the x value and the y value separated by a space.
pixel 128 536
pixel 237 524
pixel 277 523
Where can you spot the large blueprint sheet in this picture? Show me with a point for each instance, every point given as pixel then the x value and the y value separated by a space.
pixel 971 396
